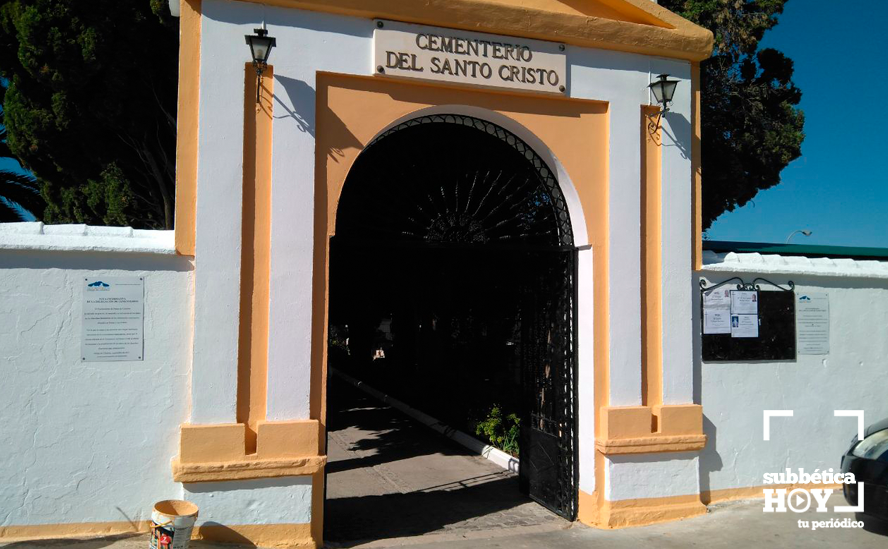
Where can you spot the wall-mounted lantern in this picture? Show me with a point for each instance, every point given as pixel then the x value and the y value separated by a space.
pixel 663 90
pixel 260 48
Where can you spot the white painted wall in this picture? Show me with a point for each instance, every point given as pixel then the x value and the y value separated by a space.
pixel 851 377
pixel 637 476
pixel 282 500
pixel 622 80
pixel 88 442
pixel 586 369
pixel 309 42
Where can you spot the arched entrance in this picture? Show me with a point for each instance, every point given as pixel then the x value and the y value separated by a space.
pixel 452 288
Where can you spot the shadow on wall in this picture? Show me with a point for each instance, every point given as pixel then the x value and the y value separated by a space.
pixel 302 99
pixel 680 126
pixel 710 460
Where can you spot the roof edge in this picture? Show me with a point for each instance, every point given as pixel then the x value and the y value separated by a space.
pixel 677 38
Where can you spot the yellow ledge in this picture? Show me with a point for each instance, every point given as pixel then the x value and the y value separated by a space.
pixel 651 444
pixel 247 469
pixel 637 512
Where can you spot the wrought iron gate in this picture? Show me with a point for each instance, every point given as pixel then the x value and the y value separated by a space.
pixel 458 182
pixel 549 467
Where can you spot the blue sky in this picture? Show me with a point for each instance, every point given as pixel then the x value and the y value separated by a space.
pixel 839 187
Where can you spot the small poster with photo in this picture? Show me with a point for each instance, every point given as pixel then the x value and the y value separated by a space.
pixel 744 302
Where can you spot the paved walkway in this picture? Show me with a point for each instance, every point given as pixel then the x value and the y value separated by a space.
pixel 390 477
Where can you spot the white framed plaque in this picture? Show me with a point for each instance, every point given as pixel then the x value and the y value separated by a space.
pixel 113 319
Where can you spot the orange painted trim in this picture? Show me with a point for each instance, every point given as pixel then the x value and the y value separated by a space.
pixel 187 125
pixel 264 535
pixel 679 419
pixel 589 505
pixel 211 443
pixel 651 261
pixel 248 468
pixel 696 170
pixel 637 26
pixel 652 444
pixel 644 429
pixel 755 492
pixel 290 536
pixel 71 530
pixel 289 438
pixel 217 452
pixel 625 422
pixel 639 512
pixel 252 367
pixel 318 496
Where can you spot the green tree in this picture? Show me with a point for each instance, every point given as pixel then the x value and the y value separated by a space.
pixel 91 106
pixel 18 191
pixel 751 126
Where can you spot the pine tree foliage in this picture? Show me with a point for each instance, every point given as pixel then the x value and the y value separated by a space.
pixel 752 127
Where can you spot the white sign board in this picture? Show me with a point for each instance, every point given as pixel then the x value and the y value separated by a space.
pixel 462 57
pixel 812 324
pixel 113 311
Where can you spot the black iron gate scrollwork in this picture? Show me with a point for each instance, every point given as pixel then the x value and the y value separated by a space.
pixel 549 466
pixel 436 182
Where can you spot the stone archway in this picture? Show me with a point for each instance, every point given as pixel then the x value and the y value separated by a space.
pixel 458 231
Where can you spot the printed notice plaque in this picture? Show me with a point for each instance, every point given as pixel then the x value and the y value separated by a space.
pixel 461 57
pixel 812 324
pixel 113 311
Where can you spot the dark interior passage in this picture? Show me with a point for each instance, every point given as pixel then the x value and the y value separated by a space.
pixel 451 289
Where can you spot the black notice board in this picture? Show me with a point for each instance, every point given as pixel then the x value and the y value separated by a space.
pixel 777 333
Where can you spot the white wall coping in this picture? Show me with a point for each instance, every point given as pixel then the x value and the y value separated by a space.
pixel 34 235
pixel 733 262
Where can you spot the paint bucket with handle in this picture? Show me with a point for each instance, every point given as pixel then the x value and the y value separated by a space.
pixel 171 523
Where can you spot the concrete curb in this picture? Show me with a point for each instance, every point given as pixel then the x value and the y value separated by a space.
pixel 486 451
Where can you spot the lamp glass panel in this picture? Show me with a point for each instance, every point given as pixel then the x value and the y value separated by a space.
pixel 261 48
pixel 657 89
pixel 668 90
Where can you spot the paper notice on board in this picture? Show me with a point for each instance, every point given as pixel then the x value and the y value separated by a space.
pixel 717 299
pixel 744 302
pixel 113 310
pixel 812 324
pixel 716 321
pixel 744 326
pixel 717 311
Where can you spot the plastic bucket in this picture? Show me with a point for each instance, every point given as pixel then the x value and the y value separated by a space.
pixel 171 523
